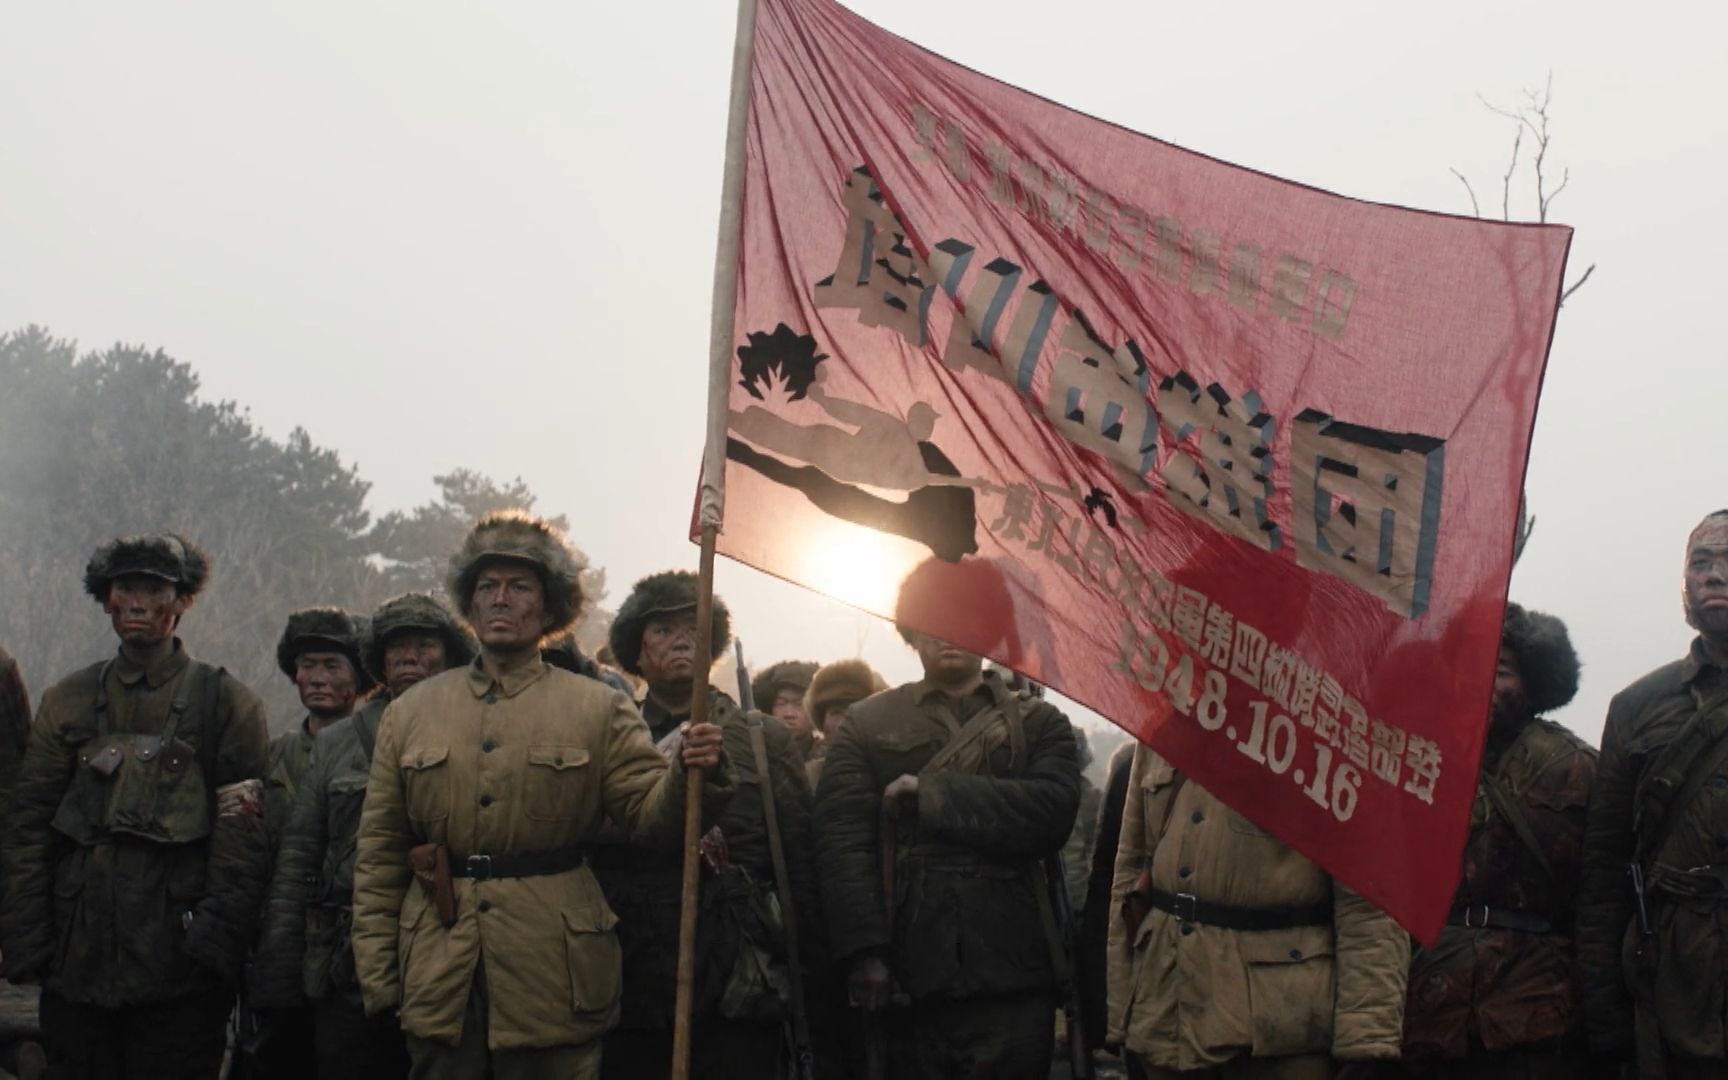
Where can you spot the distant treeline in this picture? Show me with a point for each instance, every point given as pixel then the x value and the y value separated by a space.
pixel 119 441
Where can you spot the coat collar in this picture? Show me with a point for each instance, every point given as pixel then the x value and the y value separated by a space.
pixel 158 674
pixel 480 683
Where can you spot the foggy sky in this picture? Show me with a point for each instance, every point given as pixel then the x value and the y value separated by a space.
pixel 443 235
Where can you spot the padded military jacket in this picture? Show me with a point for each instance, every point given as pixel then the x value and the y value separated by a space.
pixel 305 948
pixel 104 867
pixel 524 765
pixel 969 864
pixel 1184 995
pixel 285 766
pixel 1498 990
pixel 1680 972
pixel 644 886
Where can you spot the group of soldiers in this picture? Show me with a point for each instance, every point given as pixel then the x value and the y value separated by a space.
pixel 465 861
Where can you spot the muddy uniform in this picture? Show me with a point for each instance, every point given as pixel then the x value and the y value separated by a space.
pixel 131 898
pixel 643 887
pixel 514 776
pixel 1497 995
pixel 970 941
pixel 1250 950
pixel 1661 797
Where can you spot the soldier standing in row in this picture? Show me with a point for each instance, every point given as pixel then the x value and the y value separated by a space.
pixel 971 788
pixel 476 916
pixel 304 951
pixel 1242 957
pixel 741 998
pixel 1651 907
pixel 135 855
pixel 778 690
pixel 1497 995
pixel 835 688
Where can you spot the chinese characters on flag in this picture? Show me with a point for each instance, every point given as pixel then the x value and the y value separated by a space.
pixel 1233 461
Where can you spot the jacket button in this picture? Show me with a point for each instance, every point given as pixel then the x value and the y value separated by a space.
pixel 1295 954
pixel 488 746
pixel 1184 872
pixel 558 760
pixel 1198 817
pixel 491 697
pixel 1187 928
pixel 485 800
pixel 484 905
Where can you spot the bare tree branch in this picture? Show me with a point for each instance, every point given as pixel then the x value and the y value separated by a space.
pixel 1576 285
pixel 1475 207
pixel 1506 181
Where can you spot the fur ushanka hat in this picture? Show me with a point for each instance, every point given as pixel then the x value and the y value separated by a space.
pixel 786 675
pixel 518 537
pixel 844 682
pixel 421 612
pixel 658 594
pixel 168 556
pixel 1546 659
pixel 323 629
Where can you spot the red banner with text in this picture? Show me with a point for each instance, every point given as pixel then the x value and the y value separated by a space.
pixel 1233 461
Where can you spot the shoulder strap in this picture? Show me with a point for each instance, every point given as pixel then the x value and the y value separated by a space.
pixel 102 699
pixel 975 728
pixel 212 700
pixel 1508 805
pixel 1705 752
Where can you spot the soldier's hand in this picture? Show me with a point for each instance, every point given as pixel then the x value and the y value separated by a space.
pixel 701 746
pixel 898 794
pixel 869 985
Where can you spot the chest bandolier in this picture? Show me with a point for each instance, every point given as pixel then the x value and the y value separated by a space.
pixel 138 809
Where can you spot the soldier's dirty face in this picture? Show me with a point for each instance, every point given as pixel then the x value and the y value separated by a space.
pixel 327 683
pixel 832 717
pixel 144 609
pixel 1707 579
pixel 945 663
pixel 1510 705
pixel 410 656
pixel 788 708
pixel 669 647
pixel 508 608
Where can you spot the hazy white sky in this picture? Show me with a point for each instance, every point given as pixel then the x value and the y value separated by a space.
pixel 444 234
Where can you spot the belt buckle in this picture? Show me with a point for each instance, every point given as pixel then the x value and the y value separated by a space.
pixel 479 867
pixel 1483 925
pixel 1186 906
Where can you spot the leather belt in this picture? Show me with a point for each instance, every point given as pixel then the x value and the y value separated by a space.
pixel 1190 909
pixel 1484 917
pixel 519 864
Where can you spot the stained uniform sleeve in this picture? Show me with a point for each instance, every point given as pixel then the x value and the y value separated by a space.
pixel 237 868
pixel 381 873
pixel 1605 893
pixel 276 981
pixel 644 794
pixel 1029 815
pixel 1371 954
pixel 1132 852
pixel 848 803
pixel 28 847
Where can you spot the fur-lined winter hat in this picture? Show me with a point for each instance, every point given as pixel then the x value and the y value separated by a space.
pixel 1546 660
pixel 518 537
pixel 786 675
pixel 842 683
pixel 168 556
pixel 323 629
pixel 421 612
pixel 658 594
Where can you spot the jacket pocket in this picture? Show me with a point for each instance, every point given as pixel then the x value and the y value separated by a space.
pixel 426 780
pixel 596 963
pixel 1290 990
pixel 552 787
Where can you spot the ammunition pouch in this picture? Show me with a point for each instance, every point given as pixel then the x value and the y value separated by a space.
pixel 747 922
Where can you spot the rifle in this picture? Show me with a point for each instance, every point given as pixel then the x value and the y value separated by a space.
pixel 1056 884
pixel 804 1060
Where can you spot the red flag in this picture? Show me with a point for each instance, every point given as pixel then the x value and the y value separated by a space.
pixel 1233 461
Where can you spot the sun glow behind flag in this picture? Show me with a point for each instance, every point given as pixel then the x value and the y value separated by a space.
pixel 1231 460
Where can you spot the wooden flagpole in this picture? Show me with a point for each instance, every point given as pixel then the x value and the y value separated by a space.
pixel 711 501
